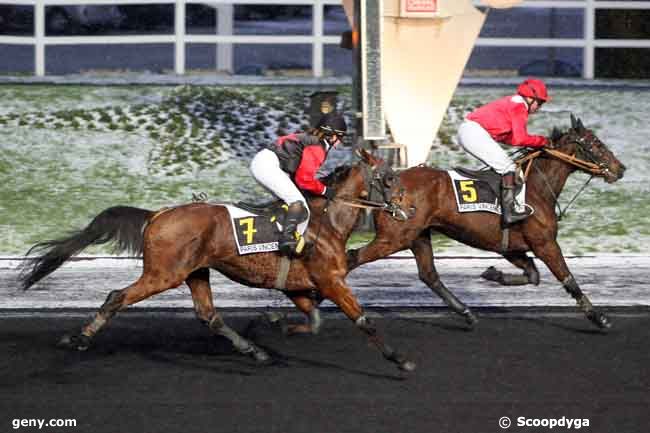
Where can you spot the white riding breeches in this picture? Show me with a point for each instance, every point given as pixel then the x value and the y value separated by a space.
pixel 478 143
pixel 265 167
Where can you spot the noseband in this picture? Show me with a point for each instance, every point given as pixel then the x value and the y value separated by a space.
pixel 379 179
pixel 579 159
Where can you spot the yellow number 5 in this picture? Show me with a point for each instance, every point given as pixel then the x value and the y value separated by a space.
pixel 469 192
pixel 250 230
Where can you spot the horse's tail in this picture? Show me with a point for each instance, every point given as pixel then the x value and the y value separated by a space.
pixel 120 224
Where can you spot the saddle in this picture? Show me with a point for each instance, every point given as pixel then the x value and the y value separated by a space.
pixel 269 209
pixel 271 214
pixel 490 177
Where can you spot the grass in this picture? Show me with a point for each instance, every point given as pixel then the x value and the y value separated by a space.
pixel 71 151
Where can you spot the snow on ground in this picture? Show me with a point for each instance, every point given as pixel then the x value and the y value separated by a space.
pixel 609 280
pixel 71 151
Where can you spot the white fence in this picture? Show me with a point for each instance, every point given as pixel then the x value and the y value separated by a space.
pixel 224 39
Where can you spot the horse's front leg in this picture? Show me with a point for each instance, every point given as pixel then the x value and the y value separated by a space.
pixel 339 293
pixel 551 254
pixel 376 249
pixel 390 238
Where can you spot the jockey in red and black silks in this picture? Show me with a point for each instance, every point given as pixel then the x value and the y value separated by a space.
pixel 505 121
pixel 290 165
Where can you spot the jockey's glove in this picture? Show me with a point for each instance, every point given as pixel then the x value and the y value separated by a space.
pixel 329 192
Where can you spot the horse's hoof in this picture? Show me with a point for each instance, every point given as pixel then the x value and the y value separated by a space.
pixel 470 318
pixel 400 360
pixel 259 355
pixel 407 365
pixel 74 342
pixel 491 274
pixel 274 317
pixel 599 319
pixel 303 329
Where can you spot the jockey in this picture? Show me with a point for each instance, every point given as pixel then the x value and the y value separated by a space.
pixel 504 121
pixel 297 158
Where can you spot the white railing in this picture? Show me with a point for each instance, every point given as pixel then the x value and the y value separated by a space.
pixel 317 39
pixel 588 43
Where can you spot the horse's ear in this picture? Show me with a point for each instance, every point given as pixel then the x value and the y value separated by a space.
pixel 580 126
pixel 573 122
pixel 556 134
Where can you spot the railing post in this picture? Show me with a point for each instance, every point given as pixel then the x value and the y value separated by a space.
pixel 225 26
pixel 39 37
pixel 589 37
pixel 317 45
pixel 179 29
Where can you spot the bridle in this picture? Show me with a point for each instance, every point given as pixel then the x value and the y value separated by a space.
pixel 378 179
pixel 584 151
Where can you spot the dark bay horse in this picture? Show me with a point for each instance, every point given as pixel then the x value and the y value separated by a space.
pixel 181 244
pixel 430 193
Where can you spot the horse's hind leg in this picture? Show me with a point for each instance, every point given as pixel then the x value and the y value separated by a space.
pixel 423 252
pixel 520 260
pixel 117 300
pixel 551 254
pixel 306 302
pixel 199 284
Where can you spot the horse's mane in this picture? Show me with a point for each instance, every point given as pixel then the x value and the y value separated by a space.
pixel 337 175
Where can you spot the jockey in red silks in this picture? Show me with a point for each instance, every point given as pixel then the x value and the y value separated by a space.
pixel 504 121
pixel 290 165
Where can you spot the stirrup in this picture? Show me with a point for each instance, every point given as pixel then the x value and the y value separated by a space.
pixel 514 217
pixel 292 246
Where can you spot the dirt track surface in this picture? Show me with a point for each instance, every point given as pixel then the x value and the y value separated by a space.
pixel 164 372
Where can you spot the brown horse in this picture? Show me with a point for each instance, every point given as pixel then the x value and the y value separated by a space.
pixel 181 245
pixel 430 193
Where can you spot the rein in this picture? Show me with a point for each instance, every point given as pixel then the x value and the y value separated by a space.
pixel 561 212
pixel 376 183
pixel 393 209
pixel 593 168
pixel 369 180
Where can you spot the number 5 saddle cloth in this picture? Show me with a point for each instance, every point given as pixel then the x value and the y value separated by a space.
pixel 479 191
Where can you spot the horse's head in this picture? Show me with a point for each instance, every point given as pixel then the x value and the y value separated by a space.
pixel 369 177
pixel 379 177
pixel 590 154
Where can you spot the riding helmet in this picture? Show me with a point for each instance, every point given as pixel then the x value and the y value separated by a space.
pixel 534 88
pixel 333 123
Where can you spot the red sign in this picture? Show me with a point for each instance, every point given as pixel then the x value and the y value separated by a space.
pixel 429 6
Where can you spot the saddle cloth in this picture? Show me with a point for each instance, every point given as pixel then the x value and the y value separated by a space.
pixel 477 195
pixel 255 233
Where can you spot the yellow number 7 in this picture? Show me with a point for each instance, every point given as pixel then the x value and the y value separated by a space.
pixel 467 186
pixel 250 229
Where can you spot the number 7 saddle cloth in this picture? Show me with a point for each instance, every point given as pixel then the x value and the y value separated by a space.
pixel 480 191
pixel 257 228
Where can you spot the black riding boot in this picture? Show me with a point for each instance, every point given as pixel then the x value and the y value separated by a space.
pixel 291 242
pixel 509 213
